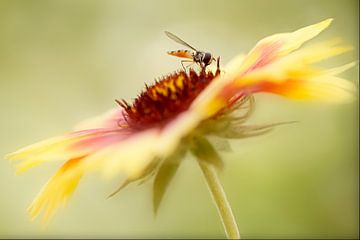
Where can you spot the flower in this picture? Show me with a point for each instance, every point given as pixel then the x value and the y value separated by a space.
pixel 177 114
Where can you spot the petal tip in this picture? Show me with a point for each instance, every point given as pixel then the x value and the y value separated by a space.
pixel 10 156
pixel 328 21
pixel 323 24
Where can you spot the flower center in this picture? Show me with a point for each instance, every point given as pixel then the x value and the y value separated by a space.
pixel 166 98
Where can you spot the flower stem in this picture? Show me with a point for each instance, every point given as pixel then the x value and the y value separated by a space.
pixel 219 197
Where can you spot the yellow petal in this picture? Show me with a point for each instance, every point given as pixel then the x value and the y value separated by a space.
pixel 135 154
pixel 274 66
pixel 56 191
pixel 53 149
pixel 294 40
pixel 273 47
pixel 293 77
pixel 129 157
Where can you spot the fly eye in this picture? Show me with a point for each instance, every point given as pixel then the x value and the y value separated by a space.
pixel 207 58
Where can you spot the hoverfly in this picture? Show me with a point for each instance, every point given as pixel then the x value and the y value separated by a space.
pixel 202 58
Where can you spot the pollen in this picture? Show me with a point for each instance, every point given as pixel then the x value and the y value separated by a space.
pixel 166 98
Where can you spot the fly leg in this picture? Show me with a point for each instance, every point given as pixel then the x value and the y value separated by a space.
pixel 218 71
pixel 182 63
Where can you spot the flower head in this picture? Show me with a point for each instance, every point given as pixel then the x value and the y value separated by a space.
pixel 178 113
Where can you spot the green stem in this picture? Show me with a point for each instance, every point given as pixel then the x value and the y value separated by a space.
pixel 219 197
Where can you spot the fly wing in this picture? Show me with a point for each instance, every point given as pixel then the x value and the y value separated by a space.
pixel 178 40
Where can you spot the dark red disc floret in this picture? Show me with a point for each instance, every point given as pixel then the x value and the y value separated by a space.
pixel 165 99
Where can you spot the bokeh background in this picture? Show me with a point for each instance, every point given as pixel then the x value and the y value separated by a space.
pixel 64 61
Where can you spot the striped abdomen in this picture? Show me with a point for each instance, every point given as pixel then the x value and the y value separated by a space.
pixel 182 53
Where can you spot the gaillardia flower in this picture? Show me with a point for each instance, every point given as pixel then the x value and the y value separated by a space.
pixel 178 113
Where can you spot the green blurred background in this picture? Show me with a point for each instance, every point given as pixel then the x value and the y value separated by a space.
pixel 64 61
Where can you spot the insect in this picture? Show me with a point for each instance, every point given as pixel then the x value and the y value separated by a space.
pixel 202 58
